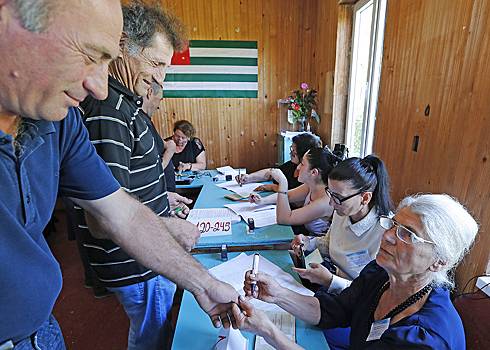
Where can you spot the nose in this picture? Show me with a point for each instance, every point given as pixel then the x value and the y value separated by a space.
pixel 96 82
pixel 389 235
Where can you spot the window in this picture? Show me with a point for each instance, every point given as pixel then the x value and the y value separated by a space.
pixel 365 71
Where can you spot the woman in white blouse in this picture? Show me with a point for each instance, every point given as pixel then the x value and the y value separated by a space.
pixel 359 193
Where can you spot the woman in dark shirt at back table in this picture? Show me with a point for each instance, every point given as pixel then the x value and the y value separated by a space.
pixel 190 153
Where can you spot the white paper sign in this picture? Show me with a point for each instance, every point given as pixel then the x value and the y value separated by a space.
pixel 214 227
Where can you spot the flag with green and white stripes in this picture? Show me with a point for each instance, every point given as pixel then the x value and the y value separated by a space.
pixel 214 68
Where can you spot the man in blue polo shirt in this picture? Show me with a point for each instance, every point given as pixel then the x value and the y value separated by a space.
pixel 54 54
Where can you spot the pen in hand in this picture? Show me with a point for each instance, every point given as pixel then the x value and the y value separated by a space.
pixel 255 270
pixel 239 178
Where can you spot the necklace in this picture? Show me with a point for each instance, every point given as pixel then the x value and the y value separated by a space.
pixel 404 305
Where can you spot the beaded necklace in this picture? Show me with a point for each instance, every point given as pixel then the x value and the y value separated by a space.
pixel 402 306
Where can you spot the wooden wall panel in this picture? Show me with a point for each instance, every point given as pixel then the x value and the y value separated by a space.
pixel 324 64
pixel 296 44
pixel 436 54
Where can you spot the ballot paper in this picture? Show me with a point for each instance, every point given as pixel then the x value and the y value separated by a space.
pixel 286 324
pixel 230 339
pixel 228 170
pixel 233 272
pixel 262 214
pixel 244 190
pixel 313 257
pixel 208 213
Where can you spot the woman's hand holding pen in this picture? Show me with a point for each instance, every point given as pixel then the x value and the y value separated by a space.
pixel 241 178
pixel 254 198
pixel 267 288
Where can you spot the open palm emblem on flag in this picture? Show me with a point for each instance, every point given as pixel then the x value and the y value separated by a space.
pixel 214 68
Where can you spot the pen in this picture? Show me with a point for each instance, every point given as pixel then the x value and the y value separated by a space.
pixel 255 270
pixel 178 210
pixel 239 179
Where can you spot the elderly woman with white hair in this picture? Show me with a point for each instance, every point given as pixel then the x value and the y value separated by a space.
pixel 400 300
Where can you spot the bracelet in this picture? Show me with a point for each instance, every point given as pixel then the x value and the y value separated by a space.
pixel 282 192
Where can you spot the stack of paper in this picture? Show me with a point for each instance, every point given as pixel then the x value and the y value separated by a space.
pixel 286 324
pixel 231 339
pixel 233 272
pixel 225 214
pixel 244 190
pixel 262 214
pixel 228 170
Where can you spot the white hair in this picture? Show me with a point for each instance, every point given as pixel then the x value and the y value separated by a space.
pixel 449 225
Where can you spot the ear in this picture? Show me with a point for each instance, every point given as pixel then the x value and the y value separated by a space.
pixel 315 172
pixel 437 266
pixel 122 43
pixel 149 93
pixel 366 197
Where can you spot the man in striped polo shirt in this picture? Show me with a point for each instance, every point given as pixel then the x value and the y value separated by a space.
pixel 122 135
pixel 56 53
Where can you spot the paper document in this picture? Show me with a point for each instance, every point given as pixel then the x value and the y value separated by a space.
pixel 263 214
pixel 209 213
pixel 244 190
pixel 228 170
pixel 233 272
pixel 286 324
pixel 231 339
pixel 313 257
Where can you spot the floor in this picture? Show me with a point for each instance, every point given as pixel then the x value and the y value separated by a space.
pixel 87 323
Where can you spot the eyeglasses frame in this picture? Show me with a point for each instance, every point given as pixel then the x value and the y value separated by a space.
pixel 413 236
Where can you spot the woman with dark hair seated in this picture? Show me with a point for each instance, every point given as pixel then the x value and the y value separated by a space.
pixel 189 153
pixel 359 192
pixel 400 300
pixel 316 213
pixel 301 144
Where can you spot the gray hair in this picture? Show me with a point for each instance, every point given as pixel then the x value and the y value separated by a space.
pixel 143 21
pixel 35 15
pixel 449 225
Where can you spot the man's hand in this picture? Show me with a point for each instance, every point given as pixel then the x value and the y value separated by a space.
pixel 170 146
pixel 267 288
pixel 217 301
pixel 178 205
pixel 317 273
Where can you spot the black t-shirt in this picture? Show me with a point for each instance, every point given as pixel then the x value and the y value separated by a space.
pixel 288 170
pixel 192 149
pixel 169 171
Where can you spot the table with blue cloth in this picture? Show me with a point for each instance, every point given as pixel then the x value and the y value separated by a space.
pixel 212 196
pixel 195 331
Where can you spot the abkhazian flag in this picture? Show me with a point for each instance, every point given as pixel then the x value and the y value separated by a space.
pixel 214 68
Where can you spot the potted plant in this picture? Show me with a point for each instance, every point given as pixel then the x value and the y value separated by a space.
pixel 302 104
